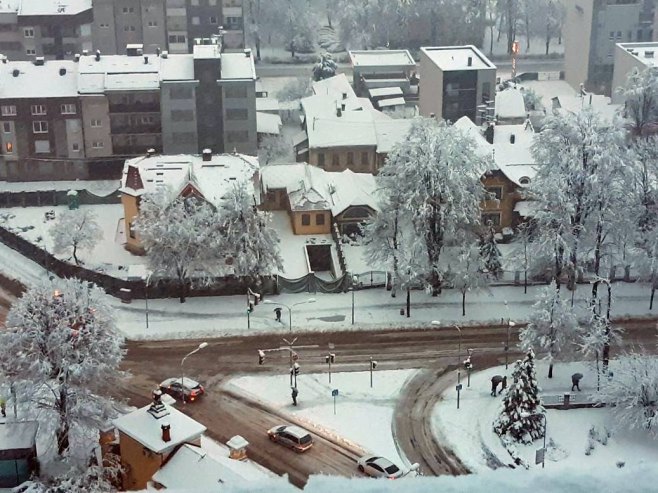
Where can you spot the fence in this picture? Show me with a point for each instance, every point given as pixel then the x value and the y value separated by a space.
pixel 54 197
pixel 311 283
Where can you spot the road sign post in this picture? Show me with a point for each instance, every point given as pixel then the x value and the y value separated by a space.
pixel 458 388
pixel 334 394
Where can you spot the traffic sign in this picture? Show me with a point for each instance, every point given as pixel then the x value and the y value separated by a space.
pixel 334 393
pixel 458 387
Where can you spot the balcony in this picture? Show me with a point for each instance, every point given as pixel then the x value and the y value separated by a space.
pixel 137 107
pixel 136 129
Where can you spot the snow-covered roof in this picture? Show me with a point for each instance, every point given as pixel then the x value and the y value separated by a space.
pixel 378 92
pixel 390 132
pixel 9 6
pixel 142 426
pixel 207 51
pixel 510 104
pixel 337 86
pixel 312 188
pixel 268 123
pixel 449 58
pixel 378 58
pixel 387 103
pixel 53 79
pixel 15 435
pixel 598 103
pixel 238 66
pixel 645 53
pixel 212 178
pixel 267 104
pixel 53 7
pixel 525 208
pixel 353 129
pixel 123 72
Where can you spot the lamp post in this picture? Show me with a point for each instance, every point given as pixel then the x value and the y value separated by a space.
pixel 289 307
pixel 355 280
pixel 182 378
pixel 437 323
pixel 510 324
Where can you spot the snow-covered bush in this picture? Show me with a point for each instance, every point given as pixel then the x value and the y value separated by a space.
pixel 75 230
pixel 631 390
pixel 325 68
pixel 61 350
pixel 521 417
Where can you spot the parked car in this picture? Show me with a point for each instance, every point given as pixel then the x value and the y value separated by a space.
pixel 379 467
pixel 182 388
pixel 294 437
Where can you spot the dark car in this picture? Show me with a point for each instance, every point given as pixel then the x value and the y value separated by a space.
pixel 183 389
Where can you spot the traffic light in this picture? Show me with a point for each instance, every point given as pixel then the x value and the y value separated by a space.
pixel 261 357
pixel 330 358
pixel 373 364
pixel 251 307
pixel 296 368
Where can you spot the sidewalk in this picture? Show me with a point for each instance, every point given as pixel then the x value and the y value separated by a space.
pixel 373 308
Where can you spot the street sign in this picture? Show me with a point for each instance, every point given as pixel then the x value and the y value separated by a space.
pixel 458 387
pixel 539 455
pixel 334 393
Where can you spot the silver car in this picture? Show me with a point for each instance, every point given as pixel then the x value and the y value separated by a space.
pixel 379 467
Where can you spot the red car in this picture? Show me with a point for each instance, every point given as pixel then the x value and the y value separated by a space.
pixel 182 389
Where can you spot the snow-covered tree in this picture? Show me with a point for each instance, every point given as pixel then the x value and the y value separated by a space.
pixel 490 254
pixel 599 335
pixel 532 100
pixel 180 237
pixel 300 27
pixel 631 391
pixel 521 414
pixel 263 20
pixel 248 237
pixel 75 230
pixel 436 173
pixel 295 89
pixel 468 275
pixel 61 348
pixel 325 68
pixel 640 94
pixel 552 325
pixel 273 147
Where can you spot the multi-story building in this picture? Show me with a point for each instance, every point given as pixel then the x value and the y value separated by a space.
pixel 41 120
pixel 591 30
pixel 125 105
pixel 629 56
pixel 455 82
pixel 44 28
pixel 233 24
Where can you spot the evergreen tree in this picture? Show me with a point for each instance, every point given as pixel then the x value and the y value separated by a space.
pixel 490 254
pixel 325 68
pixel 521 416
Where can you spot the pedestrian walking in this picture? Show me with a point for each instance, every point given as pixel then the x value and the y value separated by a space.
pixel 495 381
pixel 277 314
pixel 575 381
pixel 3 407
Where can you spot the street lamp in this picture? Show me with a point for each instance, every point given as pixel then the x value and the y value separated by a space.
pixel 182 378
pixel 289 307
pixel 355 280
pixel 510 324
pixel 436 323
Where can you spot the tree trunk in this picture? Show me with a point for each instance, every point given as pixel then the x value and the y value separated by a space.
pixel 463 303
pixel 550 370
pixel 408 303
pixel 63 425
pixel 75 254
pixel 182 290
pixel 653 292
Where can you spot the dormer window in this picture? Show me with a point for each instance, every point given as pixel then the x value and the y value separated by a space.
pixel 524 180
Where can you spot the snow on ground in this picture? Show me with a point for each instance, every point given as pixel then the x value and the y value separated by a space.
pixel 108 255
pixel 468 431
pixel 364 415
pixel 246 468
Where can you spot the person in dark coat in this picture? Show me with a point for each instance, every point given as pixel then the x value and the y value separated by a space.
pixel 495 381
pixel 294 396
pixel 277 314
pixel 575 381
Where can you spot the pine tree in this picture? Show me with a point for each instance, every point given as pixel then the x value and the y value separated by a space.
pixel 521 415
pixel 491 257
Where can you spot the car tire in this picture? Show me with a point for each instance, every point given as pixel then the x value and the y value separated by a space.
pixel 361 469
pixel 272 438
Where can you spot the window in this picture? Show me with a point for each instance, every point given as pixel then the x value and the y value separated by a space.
pixel 75 147
pixel 237 136
pixel 68 109
pixel 96 123
pixel 153 23
pixel 495 193
pixel 128 10
pixel 335 159
pixel 233 22
pixel 196 20
pixel 319 219
pixel 350 158
pixel 104 25
pixel 320 158
pixel 129 28
pixel 28 32
pixel 364 159
pixel 235 92
pixel 235 114
pixel 6 127
pixel 213 19
pixel 42 146
pixel 486 91
pixel 97 144
pixel 30 51
pixel 38 109
pixel 177 38
pixel 306 219
pixel 181 92
pixel 618 35
pixel 9 148
pixel 492 218
pixel 8 110
pixel 148 119
pixel 40 127
pixel 639 35
pixel 612 36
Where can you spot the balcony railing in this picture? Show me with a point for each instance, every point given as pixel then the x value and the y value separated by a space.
pixel 135 129
pixel 135 107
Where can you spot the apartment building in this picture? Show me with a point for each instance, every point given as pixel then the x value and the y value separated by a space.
pixel 629 56
pixel 591 30
pixel 100 109
pixel 41 135
pixel 455 82
pixel 170 25
pixel 44 28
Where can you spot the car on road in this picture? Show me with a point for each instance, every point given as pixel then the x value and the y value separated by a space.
pixel 183 388
pixel 379 467
pixel 291 436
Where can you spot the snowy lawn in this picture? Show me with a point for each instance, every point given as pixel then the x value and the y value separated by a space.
pixel 364 415
pixel 468 431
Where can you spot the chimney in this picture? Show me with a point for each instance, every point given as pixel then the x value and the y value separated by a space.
pixel 342 106
pixel 39 61
pixel 62 71
pixel 150 152
pixel 206 155
pixel 648 54
pixel 157 51
pixel 166 432
pixel 344 95
pixel 15 72
pixel 470 61
pixel 76 57
pixel 339 112
pixel 146 60
pixel 432 115
pixel 140 51
pixel 165 54
pixel 512 139
pixel 247 52
pixel 98 55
